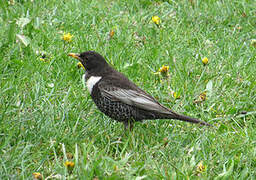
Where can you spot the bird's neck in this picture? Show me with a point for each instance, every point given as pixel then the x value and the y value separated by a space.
pixel 99 72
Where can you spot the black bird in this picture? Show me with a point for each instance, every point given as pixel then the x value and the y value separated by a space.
pixel 119 98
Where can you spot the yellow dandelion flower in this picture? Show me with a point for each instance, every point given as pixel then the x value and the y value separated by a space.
pixel 156 20
pixel 67 37
pixel 164 69
pixel 253 42
pixel 80 65
pixel 43 60
pixel 37 175
pixel 200 167
pixel 69 164
pixel 175 95
pixel 111 33
pixel 205 60
pixel 202 96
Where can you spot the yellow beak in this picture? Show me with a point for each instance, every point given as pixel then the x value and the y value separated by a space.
pixel 74 55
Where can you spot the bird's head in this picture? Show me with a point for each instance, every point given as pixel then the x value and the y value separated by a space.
pixel 91 60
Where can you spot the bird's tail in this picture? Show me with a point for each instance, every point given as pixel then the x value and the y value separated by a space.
pixel 181 117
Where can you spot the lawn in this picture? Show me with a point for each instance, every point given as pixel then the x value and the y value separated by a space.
pixel 50 125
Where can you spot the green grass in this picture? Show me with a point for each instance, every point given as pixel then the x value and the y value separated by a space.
pixel 48 117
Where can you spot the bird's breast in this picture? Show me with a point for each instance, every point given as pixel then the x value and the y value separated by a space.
pixel 91 81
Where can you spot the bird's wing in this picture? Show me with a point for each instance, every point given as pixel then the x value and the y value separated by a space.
pixel 133 98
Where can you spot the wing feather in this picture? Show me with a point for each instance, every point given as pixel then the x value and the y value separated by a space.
pixel 134 98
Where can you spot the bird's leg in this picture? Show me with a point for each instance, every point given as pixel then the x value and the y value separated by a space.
pixel 128 125
pixel 125 125
pixel 131 126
